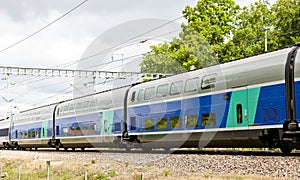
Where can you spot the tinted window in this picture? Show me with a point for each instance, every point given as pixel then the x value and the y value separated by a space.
pixel 140 95
pixel 176 88
pixel 149 124
pixel 191 121
pixel 162 90
pixel 208 81
pixel 191 85
pixel 175 122
pixel 209 119
pixel 149 93
pixel 133 97
pixel 162 123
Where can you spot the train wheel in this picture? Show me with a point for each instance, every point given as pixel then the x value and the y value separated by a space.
pixel 286 149
pixel 73 149
pixel 66 149
pixel 82 149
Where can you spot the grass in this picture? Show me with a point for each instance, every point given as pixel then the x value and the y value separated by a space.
pixel 37 169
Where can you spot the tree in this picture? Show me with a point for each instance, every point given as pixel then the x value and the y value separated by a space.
pixel 223 29
pixel 214 20
pixel 248 37
pixel 189 50
pixel 287 22
pixel 201 41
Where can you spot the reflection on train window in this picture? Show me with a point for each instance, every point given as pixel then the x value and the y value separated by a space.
pixel 162 90
pixel 209 119
pixel 175 122
pixel 71 130
pixel 65 131
pixel 191 121
pixel 38 133
pixel 140 95
pixel 149 124
pixel 93 129
pixel 191 85
pixel 149 93
pixel 176 88
pixel 78 130
pixel 133 96
pixel 162 123
pixel 85 129
pixel 239 113
pixel 208 81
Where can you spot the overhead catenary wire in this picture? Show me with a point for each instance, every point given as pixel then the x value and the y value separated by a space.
pixel 43 28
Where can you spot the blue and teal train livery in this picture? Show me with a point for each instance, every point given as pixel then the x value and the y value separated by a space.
pixel 252 102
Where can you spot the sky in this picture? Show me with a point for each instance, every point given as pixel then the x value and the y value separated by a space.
pixel 70 38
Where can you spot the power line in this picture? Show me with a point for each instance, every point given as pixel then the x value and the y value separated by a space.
pixel 124 42
pixel 41 29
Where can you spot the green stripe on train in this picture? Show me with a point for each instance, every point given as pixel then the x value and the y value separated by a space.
pixel 248 99
pixel 107 122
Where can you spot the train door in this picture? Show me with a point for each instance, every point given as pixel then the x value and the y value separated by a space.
pixel 106 120
pixel 238 110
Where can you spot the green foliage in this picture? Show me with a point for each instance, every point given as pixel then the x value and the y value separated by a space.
pixel 189 50
pixel 167 172
pixel 93 161
pixel 220 31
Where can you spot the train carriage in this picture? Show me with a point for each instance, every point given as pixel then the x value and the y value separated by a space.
pixel 252 102
pixel 4 132
pixel 242 103
pixel 32 128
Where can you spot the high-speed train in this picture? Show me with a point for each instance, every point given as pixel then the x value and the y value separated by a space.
pixel 251 102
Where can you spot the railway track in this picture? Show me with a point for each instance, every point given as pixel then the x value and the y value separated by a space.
pixel 209 151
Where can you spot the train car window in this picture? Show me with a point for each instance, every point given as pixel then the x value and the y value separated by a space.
pixel 209 119
pixel 93 103
pixel 38 133
pixel 93 129
pixel 133 96
pixel 176 88
pixel 191 85
pixel 149 93
pixel 72 130
pixel 65 131
pixel 85 129
pixel 239 113
pixel 208 81
pixel 162 123
pixel 191 121
pixel 140 95
pixel 78 105
pixel 4 132
pixel 149 124
pixel 175 122
pixel 71 108
pixel 162 90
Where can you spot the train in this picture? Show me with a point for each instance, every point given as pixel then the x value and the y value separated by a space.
pixel 248 103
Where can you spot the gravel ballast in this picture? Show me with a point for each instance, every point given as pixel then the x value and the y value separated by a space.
pixel 160 164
